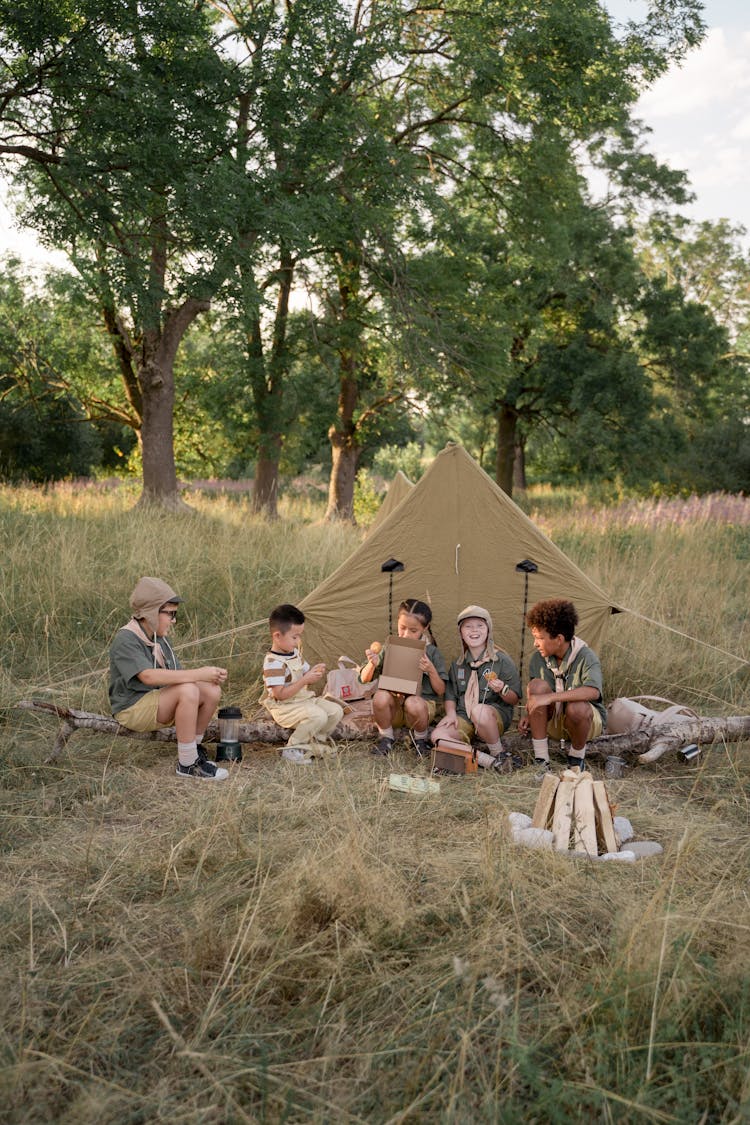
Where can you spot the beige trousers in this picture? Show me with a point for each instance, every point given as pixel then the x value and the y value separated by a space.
pixel 309 717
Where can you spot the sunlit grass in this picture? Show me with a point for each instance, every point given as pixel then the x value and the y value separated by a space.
pixel 306 946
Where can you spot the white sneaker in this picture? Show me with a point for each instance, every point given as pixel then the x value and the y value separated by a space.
pixel 300 755
pixel 320 749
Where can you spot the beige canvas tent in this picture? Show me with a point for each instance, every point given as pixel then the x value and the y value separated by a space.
pixel 399 487
pixel 460 538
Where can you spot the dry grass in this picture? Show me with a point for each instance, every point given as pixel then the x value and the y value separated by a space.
pixel 302 945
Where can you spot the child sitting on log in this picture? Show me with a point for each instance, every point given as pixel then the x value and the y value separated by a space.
pixel 286 689
pixel 415 712
pixel 564 693
pixel 483 688
pixel 148 687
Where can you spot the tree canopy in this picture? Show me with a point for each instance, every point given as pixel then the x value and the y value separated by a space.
pixel 387 211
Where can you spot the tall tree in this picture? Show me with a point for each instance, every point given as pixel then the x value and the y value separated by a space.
pixel 490 101
pixel 114 119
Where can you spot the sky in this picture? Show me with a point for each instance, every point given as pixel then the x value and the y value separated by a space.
pixel 699 114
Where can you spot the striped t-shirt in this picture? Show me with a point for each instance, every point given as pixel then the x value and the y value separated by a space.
pixel 281 668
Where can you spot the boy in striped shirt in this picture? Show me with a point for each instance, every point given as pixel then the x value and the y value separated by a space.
pixel 286 692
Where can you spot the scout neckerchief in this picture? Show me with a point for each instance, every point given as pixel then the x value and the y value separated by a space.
pixel 471 695
pixel 159 658
pixel 561 670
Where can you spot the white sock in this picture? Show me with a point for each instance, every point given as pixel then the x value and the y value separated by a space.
pixel 485 760
pixel 200 736
pixel 420 734
pixel 187 752
pixel 495 748
pixel 386 732
pixel 541 749
pixel 573 753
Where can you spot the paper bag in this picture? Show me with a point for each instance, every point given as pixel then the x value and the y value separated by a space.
pixel 343 685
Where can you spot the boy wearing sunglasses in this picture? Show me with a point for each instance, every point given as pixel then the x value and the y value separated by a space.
pixel 150 690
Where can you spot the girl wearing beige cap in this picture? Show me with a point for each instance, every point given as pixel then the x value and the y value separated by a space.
pixel 483 688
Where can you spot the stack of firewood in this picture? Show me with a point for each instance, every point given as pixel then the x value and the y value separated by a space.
pixel 576 809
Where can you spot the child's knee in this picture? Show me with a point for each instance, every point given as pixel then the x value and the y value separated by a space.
pixel 210 693
pixel 188 693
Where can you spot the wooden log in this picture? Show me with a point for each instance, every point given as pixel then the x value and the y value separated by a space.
pixel 563 814
pixel 649 746
pixel 584 823
pixel 604 823
pixel 545 801
pixel 643 746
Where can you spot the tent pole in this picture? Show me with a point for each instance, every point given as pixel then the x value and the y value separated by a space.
pixel 527 567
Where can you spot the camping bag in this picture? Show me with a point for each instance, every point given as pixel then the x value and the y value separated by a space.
pixel 624 715
pixel 451 756
pixel 343 684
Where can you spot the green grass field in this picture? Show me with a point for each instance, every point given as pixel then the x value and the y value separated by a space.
pixel 299 945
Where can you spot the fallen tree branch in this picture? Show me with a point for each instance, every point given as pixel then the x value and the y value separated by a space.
pixel 645 746
pixel 72 720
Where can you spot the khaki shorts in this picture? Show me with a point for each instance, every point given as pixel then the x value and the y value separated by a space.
pixel 556 725
pixel 141 716
pixel 399 718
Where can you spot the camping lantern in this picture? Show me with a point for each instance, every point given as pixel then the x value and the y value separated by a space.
pixel 228 748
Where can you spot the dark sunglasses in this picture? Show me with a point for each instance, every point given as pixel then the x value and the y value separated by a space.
pixel 169 613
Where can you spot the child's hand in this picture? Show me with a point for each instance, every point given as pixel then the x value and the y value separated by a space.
pixel 211 675
pixel 316 673
pixel 373 653
pixel 425 664
pixel 494 683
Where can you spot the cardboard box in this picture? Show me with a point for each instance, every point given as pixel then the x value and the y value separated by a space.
pixel 450 756
pixel 401 671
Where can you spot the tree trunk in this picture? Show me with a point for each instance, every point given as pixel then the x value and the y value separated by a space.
pixel 266 483
pixel 343 433
pixel 344 459
pixel 506 446
pixel 157 444
pixel 268 377
pixel 519 467
pixel 156 380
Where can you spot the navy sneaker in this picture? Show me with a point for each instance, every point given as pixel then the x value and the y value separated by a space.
pixel 505 762
pixel 383 747
pixel 201 769
pixel 423 746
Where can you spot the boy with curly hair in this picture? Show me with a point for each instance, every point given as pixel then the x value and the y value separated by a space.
pixel 564 692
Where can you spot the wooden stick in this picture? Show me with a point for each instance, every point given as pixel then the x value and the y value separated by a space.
pixel 563 813
pixel 604 823
pixel 545 800
pixel 584 823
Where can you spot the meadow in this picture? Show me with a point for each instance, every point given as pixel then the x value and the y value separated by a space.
pixel 302 945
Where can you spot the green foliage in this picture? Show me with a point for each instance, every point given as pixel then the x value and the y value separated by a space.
pixel 409 459
pixel 367 498
pixel 51 356
pixel 419 176
pixel 50 440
